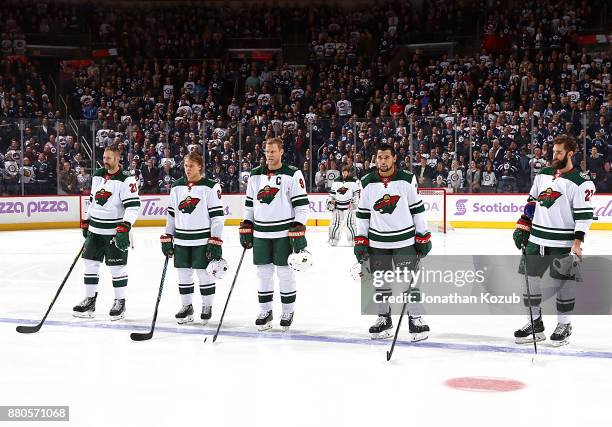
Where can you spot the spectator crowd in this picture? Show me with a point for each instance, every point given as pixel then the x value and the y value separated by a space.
pixel 466 122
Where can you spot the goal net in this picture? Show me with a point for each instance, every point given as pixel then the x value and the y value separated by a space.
pixel 435 208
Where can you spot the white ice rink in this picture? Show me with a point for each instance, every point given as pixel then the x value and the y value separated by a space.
pixel 325 372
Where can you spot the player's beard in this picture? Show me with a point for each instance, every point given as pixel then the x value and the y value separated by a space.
pixel 560 164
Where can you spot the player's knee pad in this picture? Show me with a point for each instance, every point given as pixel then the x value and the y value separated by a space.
pixel 120 275
pixel 204 277
pixel 185 275
pixel 265 272
pixel 534 291
pixel 566 295
pixel 91 267
pixel 285 274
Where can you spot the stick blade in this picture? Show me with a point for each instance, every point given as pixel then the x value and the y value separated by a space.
pixel 28 329
pixel 388 356
pixel 136 336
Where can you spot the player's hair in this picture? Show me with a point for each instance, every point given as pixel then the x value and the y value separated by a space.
pixel 567 141
pixel 114 149
pixel 276 141
pixel 386 147
pixel 195 158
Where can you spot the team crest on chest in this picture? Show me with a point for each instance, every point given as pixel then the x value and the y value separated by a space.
pixel 386 204
pixel 102 196
pixel 342 190
pixel 188 204
pixel 548 197
pixel 267 194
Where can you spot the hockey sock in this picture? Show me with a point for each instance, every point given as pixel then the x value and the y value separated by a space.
pixel 265 293
pixel 120 280
pixel 185 277
pixel 288 288
pixel 207 287
pixel 91 277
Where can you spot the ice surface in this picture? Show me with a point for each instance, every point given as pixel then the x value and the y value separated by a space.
pixel 325 372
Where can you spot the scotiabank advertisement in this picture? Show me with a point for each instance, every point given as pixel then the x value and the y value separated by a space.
pixel 492 210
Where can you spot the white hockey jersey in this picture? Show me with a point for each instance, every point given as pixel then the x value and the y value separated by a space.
pixel 275 199
pixel 113 199
pixel 563 207
pixel 390 210
pixel 345 191
pixel 195 212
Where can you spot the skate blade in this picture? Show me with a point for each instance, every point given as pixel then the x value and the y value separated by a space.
pixel 187 319
pixel 286 328
pixel 119 317
pixel 559 343
pixel 262 328
pixel 85 315
pixel 205 322
pixel 418 336
pixel 529 340
pixel 382 335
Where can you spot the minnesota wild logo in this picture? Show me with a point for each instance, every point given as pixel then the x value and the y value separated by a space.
pixel 188 205
pixel 102 196
pixel 342 190
pixel 386 204
pixel 267 194
pixel 548 197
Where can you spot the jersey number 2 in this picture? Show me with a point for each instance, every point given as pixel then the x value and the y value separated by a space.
pixel 588 194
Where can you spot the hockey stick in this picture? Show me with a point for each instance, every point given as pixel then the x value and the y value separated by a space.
pixel 228 298
pixel 535 345
pixel 138 336
pixel 32 329
pixel 404 310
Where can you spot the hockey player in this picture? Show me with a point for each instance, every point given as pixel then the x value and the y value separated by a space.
pixel 113 208
pixel 554 223
pixel 194 225
pixel 342 202
pixel 276 209
pixel 392 231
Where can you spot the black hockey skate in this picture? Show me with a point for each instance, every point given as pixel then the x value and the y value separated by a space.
pixel 264 320
pixel 286 320
pixel 382 328
pixel 524 335
pixel 419 330
pixel 561 335
pixel 206 314
pixel 185 314
pixel 86 309
pixel 117 312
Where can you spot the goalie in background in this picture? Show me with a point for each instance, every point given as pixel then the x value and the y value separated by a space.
pixel 342 203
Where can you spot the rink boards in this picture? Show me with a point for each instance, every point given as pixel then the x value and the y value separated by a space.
pixel 462 210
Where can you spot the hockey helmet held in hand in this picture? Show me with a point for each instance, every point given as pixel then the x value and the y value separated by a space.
pixel 300 261
pixel 217 268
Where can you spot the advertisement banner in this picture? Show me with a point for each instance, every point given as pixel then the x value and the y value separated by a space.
pixel 502 210
pixel 39 212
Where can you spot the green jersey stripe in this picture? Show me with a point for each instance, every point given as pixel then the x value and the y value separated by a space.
pixel 394 238
pixel 299 202
pixel 191 236
pixel 552 229
pixel 271 228
pixel 417 210
pixel 103 225
pixel 551 236
pixel 288 220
